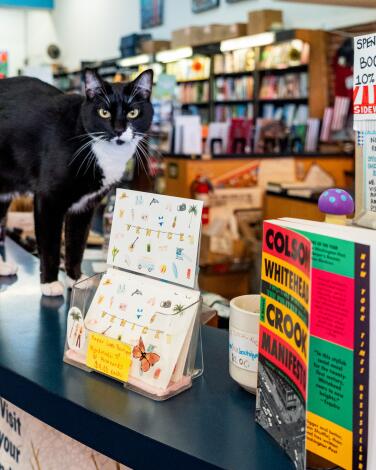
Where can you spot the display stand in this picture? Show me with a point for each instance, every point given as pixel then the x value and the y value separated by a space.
pixel 140 330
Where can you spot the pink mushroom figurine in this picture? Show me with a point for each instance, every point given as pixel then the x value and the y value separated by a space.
pixel 337 204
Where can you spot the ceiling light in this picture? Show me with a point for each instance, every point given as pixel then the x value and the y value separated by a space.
pixel 174 55
pixel 135 60
pixel 247 42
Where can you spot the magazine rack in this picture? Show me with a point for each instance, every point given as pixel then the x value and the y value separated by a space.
pixel 171 323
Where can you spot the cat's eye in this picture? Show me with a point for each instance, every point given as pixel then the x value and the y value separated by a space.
pixel 104 113
pixel 133 114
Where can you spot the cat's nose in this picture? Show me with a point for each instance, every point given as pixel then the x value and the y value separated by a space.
pixel 119 132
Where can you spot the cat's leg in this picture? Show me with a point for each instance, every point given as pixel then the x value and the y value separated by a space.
pixel 77 226
pixel 7 268
pixel 49 215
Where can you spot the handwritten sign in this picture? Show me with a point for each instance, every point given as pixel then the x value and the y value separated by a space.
pixel 370 172
pixel 109 356
pixel 364 82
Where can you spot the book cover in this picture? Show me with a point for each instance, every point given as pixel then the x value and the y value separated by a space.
pixel 283 339
pixel 338 389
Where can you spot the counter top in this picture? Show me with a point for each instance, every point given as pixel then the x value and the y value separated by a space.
pixel 209 426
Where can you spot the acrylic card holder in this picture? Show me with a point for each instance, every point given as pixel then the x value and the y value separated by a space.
pixel 139 321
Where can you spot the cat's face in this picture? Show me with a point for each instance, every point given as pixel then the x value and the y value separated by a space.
pixel 117 114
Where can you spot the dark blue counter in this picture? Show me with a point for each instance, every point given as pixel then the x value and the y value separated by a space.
pixel 211 425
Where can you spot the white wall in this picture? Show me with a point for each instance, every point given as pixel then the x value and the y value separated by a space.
pixel 25 33
pixel 91 29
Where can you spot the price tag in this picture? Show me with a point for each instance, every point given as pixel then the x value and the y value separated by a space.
pixel 109 356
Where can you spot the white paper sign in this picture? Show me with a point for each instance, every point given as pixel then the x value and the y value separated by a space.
pixel 370 172
pixel 364 82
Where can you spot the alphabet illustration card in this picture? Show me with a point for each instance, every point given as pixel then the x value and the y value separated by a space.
pixel 156 235
pixel 154 318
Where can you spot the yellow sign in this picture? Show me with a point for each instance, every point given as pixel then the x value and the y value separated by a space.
pixel 109 356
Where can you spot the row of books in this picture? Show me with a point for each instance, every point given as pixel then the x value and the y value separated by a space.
pixel 288 54
pixel 196 68
pixel 241 60
pixel 290 114
pixel 290 85
pixel 225 112
pixel 193 92
pixel 230 89
pixel 336 118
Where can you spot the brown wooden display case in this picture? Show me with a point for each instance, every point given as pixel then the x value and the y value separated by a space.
pixel 181 171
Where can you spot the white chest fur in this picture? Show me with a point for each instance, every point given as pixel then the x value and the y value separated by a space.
pixel 112 159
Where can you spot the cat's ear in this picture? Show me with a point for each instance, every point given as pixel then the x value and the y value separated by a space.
pixel 143 84
pixel 93 83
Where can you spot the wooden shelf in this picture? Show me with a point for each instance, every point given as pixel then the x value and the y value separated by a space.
pixel 196 104
pixel 240 101
pixel 283 100
pixel 234 74
pixel 282 71
pixel 193 80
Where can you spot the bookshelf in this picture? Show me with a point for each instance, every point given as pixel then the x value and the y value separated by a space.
pixel 289 77
pixel 250 83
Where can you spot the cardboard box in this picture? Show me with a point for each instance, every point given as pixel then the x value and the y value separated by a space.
pixel 234 30
pixel 261 21
pixel 151 47
pixel 212 33
pixel 189 36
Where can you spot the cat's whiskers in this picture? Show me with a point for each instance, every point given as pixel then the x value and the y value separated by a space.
pixel 82 136
pixel 148 145
pixel 141 150
pixel 79 151
pixel 140 161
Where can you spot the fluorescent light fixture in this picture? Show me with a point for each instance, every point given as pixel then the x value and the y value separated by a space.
pixel 174 55
pixel 246 42
pixel 135 60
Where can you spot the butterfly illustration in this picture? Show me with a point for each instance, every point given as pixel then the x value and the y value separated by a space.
pixel 161 220
pixel 147 360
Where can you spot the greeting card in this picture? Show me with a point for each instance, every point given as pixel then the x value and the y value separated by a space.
pixel 156 235
pixel 152 317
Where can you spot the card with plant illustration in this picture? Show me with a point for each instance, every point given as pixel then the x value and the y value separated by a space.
pixel 156 235
pixel 153 317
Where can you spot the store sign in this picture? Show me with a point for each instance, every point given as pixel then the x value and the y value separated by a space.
pixel 27 443
pixel 364 82
pixel 27 3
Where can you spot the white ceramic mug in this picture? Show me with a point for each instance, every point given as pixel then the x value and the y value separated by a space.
pixel 243 340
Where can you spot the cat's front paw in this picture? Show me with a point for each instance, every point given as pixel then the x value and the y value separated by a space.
pixel 71 282
pixel 52 289
pixel 7 268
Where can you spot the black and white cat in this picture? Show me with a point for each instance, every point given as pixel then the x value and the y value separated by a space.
pixel 69 151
